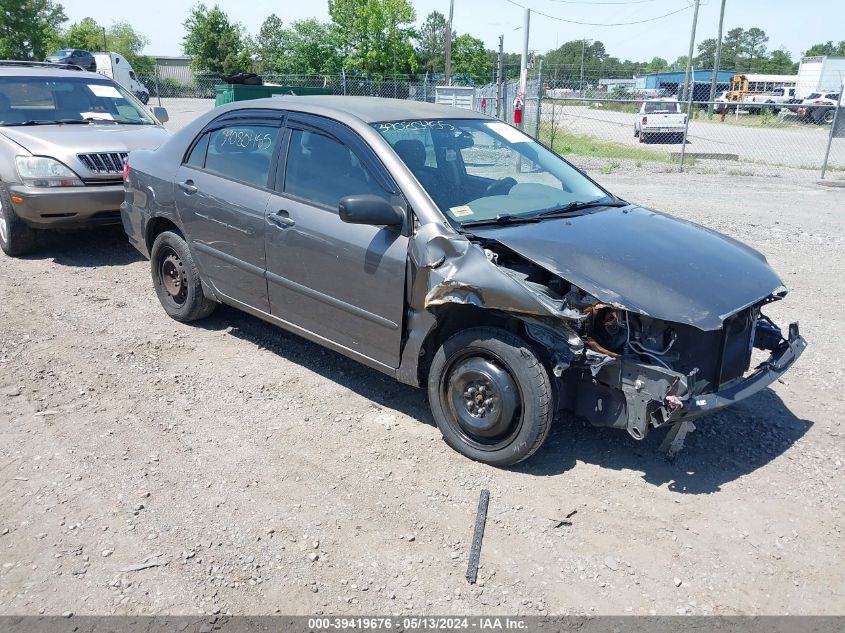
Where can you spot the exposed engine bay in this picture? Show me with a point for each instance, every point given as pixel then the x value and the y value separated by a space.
pixel 628 370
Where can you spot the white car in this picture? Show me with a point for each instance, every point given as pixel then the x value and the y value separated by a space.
pixel 813 107
pixel 660 119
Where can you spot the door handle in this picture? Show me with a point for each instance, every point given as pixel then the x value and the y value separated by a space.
pixel 188 187
pixel 281 219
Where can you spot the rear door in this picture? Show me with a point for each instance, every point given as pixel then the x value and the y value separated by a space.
pixel 342 282
pixel 222 191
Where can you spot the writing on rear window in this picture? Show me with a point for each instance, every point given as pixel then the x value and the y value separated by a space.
pixel 247 139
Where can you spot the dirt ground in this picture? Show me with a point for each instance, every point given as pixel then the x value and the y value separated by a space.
pixel 150 467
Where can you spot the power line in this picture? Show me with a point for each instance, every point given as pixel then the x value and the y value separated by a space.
pixel 594 2
pixel 559 19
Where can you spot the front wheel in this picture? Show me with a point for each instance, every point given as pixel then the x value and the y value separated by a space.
pixel 16 238
pixel 177 279
pixel 827 116
pixel 490 396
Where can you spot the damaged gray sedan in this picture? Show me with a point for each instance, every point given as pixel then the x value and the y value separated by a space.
pixel 451 251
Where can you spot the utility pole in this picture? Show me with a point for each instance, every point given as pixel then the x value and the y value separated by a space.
pixel 581 84
pixel 500 66
pixel 523 67
pixel 717 62
pixel 105 43
pixel 691 50
pixel 449 44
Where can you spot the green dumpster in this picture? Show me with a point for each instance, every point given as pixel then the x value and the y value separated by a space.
pixel 228 93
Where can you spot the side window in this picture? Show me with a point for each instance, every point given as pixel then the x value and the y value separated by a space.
pixel 242 152
pixel 132 74
pixel 323 170
pixel 197 156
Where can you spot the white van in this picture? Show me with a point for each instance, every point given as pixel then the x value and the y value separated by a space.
pixel 115 66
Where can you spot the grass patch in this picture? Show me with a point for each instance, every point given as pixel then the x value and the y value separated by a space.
pixel 566 142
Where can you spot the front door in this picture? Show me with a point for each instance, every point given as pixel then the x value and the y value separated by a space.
pixel 342 282
pixel 222 192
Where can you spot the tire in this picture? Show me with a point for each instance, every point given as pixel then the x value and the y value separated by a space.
pixel 636 133
pixel 502 429
pixel 177 280
pixel 827 116
pixel 642 137
pixel 16 238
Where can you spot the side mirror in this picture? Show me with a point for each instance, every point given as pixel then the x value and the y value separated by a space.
pixel 367 209
pixel 161 114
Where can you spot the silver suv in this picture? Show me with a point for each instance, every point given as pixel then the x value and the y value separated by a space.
pixel 64 135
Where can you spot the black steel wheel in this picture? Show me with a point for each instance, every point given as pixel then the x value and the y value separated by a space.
pixel 490 396
pixel 177 279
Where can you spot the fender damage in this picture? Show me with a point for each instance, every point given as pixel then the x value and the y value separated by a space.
pixel 617 363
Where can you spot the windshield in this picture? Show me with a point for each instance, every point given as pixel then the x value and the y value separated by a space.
pixel 63 53
pixel 481 169
pixel 45 100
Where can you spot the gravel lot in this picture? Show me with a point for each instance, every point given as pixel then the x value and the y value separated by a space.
pixel 152 467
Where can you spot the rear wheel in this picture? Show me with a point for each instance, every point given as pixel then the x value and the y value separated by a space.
pixel 490 396
pixel 827 116
pixel 642 137
pixel 177 280
pixel 16 238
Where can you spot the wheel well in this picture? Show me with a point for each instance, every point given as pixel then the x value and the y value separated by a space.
pixel 453 318
pixel 156 227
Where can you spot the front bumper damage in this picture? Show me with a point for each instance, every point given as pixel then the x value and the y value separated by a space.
pixel 654 396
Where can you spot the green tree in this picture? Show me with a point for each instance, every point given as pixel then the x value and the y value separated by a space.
pixel 374 36
pixel 469 59
pixel 732 49
pixel 754 46
pixel 778 63
pixel 270 45
pixel 431 42
pixel 124 39
pixel 85 34
pixel 29 29
pixel 706 57
pixel 827 48
pixel 656 65
pixel 215 43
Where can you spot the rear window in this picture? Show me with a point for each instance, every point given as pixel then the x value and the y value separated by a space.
pixel 243 152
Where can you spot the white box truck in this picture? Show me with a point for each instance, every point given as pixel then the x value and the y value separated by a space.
pixel 818 75
pixel 115 66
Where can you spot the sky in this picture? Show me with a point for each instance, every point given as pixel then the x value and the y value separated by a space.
pixel 789 24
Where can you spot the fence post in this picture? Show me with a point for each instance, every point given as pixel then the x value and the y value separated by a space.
pixel 158 89
pixel 343 79
pixel 832 131
pixel 539 100
pixel 686 130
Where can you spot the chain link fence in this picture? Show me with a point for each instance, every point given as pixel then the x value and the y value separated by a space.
pixel 583 122
pixel 614 134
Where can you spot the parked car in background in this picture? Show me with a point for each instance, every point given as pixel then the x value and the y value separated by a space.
pixel 63 137
pixel 819 108
pixel 115 66
pixel 660 120
pixel 453 252
pixel 771 101
pixel 75 56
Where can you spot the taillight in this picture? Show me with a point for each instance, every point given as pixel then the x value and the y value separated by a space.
pixel 645 120
pixel 817 102
pixel 125 170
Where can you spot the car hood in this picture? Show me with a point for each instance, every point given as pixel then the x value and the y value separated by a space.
pixel 647 262
pixel 64 142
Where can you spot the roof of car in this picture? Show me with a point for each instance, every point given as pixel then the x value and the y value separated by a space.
pixel 45 71
pixel 370 109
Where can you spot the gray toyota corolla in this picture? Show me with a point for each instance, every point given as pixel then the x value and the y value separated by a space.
pixel 451 251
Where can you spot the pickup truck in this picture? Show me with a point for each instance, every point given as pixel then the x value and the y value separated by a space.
pixel 770 101
pixel 660 119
